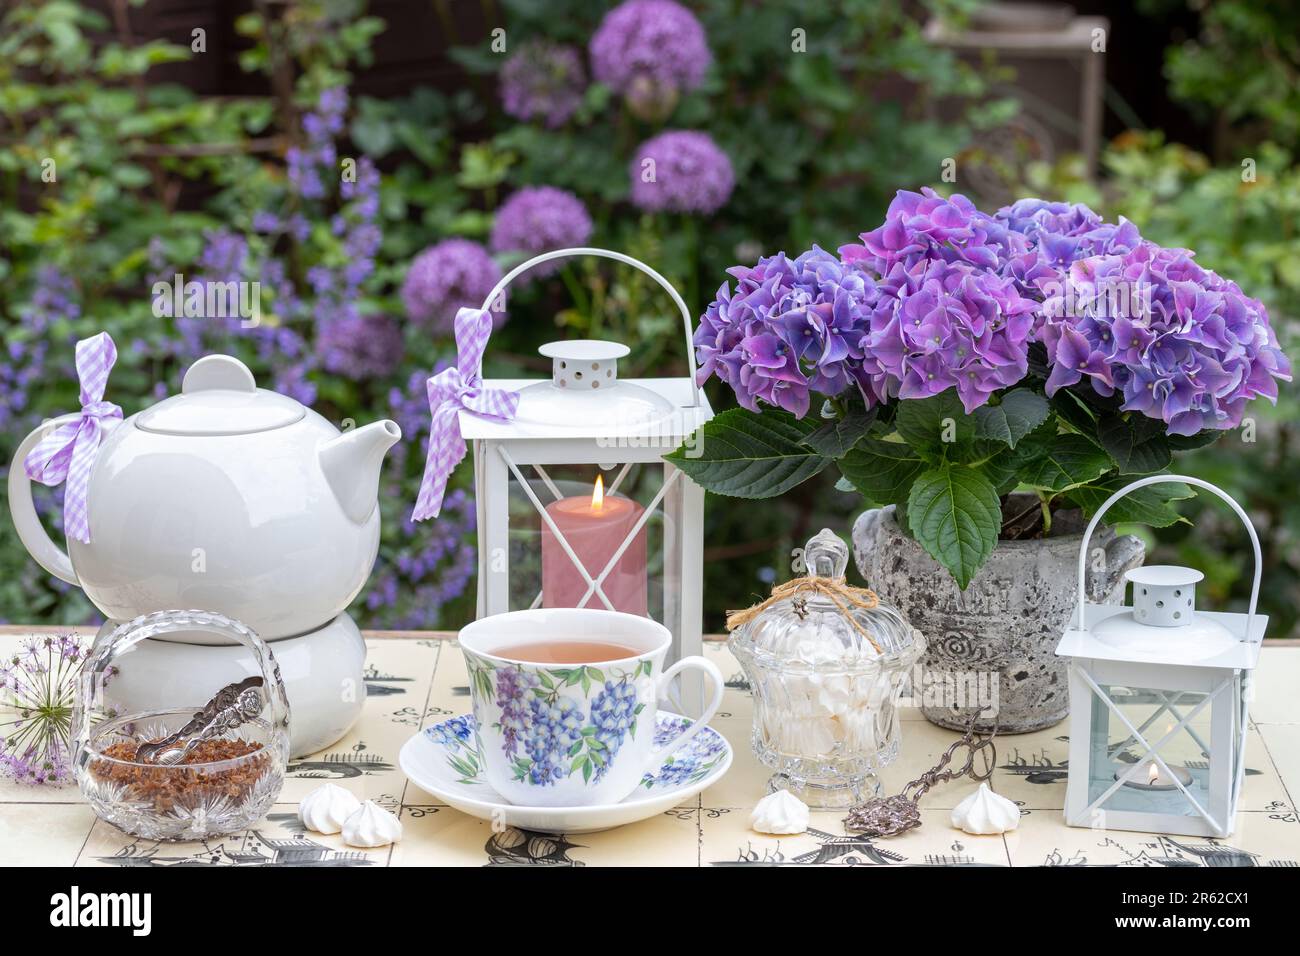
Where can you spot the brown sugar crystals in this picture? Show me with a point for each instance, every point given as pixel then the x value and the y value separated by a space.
pixel 187 782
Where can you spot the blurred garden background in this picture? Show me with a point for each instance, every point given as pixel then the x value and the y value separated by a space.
pixel 144 138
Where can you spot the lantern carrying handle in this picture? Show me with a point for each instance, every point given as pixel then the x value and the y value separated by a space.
pixel 494 295
pixel 1157 480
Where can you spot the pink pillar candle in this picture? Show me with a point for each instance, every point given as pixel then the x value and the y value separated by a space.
pixel 595 529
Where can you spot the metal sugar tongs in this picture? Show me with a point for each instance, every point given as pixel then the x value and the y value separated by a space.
pixel 231 707
pixel 890 816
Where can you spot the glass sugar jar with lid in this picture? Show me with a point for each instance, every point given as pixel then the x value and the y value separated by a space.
pixel 826 663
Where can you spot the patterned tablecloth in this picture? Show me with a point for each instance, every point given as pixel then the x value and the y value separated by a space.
pixel 415 682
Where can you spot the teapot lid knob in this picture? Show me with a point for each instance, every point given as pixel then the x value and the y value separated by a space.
pixel 218 372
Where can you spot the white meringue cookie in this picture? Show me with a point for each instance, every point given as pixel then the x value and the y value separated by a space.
pixel 371 825
pixel 780 812
pixel 986 812
pixel 325 808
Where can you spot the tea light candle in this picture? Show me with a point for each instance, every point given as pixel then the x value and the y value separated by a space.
pixel 1151 777
pixel 595 529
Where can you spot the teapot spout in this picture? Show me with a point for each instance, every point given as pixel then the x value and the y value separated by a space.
pixel 351 464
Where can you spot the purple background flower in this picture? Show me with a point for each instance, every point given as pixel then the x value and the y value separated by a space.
pixel 543 81
pixel 360 347
pixel 658 40
pixel 689 174
pixel 53 299
pixel 446 277
pixel 537 219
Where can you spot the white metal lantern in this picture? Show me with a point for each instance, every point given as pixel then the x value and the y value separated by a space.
pixel 576 505
pixel 1158 697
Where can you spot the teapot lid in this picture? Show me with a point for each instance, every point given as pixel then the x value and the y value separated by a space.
pixel 219 397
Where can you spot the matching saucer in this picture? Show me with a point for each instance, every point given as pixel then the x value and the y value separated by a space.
pixel 444 760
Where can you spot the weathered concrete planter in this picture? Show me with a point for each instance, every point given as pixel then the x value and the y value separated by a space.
pixel 1007 622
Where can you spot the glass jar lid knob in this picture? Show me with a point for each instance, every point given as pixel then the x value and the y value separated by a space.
pixel 826 556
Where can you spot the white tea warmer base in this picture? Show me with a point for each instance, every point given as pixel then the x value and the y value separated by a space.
pixel 323 674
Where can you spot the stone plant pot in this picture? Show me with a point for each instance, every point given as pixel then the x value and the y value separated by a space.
pixel 1006 623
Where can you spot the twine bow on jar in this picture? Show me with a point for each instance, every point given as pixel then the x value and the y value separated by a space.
pixel 837 590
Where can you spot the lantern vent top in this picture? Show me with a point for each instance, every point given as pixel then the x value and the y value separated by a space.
pixel 585 393
pixel 584 363
pixel 1164 595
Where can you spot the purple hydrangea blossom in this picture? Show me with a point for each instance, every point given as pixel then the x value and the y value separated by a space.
pixel 360 347
pixel 927 226
pixel 1059 234
pixel 791 327
pixel 451 275
pixel 543 81
pixel 938 325
pixel 537 219
pixel 681 171
pixel 961 296
pixel 654 41
pixel 1048 223
pixel 1180 343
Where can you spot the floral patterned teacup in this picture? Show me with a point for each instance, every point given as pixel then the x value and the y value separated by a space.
pixel 563 735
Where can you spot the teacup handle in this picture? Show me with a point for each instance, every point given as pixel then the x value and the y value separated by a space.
pixel 657 754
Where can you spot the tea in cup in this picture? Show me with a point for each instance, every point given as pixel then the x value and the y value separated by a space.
pixel 565 702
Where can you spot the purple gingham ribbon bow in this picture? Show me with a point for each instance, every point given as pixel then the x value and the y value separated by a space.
pixel 449 391
pixel 68 453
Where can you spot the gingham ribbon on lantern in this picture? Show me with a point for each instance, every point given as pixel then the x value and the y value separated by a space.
pixel 68 453
pixel 451 390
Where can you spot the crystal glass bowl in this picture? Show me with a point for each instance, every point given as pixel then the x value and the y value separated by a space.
pixel 225 782
pixel 188 801
pixel 826 680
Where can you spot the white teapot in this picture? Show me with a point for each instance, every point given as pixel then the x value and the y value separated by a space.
pixel 227 498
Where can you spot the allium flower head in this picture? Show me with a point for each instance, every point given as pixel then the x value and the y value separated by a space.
pixel 37 685
pixel 540 218
pixel 658 41
pixel 937 325
pixel 791 327
pixel 446 277
pixel 1180 343
pixel 543 81
pixel 681 171
pixel 360 346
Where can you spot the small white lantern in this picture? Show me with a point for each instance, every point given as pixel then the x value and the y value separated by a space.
pixel 576 505
pixel 1158 695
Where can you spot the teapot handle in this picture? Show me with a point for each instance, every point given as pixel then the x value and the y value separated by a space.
pixel 1162 479
pixel 495 294
pixel 30 530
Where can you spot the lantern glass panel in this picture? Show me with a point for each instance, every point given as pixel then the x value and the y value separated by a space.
pixel 1114 749
pixel 594 526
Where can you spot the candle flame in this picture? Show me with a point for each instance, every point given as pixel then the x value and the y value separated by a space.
pixel 598 494
pixel 1153 773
